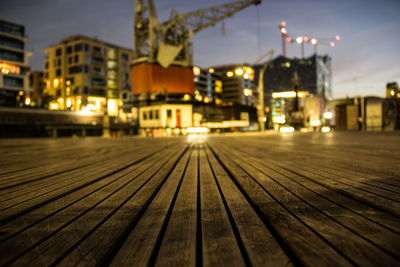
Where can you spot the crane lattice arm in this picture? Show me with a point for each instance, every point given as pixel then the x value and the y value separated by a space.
pixel 168 43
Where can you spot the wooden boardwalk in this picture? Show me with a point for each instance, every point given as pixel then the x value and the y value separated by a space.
pixel 239 200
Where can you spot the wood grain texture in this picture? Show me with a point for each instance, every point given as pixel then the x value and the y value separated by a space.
pixel 234 200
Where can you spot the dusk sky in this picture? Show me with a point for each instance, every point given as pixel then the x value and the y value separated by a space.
pixel 364 60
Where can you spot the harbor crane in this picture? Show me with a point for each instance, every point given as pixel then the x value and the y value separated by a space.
pixel 163 52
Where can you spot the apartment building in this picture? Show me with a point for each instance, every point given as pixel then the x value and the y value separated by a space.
pixel 14 84
pixel 86 74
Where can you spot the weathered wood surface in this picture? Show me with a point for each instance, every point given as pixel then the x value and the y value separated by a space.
pixel 236 200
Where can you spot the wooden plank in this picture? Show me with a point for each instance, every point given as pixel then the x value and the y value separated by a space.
pixel 47 213
pixel 303 243
pixel 261 246
pixel 359 239
pixel 178 246
pixel 219 244
pixel 141 244
pixel 45 241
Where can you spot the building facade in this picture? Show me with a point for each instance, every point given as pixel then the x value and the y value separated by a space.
pixel 86 74
pixel 37 85
pixel 208 85
pixel 14 84
pixel 238 84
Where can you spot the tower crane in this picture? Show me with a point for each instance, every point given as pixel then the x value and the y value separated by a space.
pixel 163 53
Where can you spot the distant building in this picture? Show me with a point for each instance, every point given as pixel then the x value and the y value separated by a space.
pixel 238 84
pixel 314 75
pixel 208 85
pixel 13 65
pixel 82 73
pixel 37 84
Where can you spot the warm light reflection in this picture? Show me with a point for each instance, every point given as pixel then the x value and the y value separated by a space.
pixel 286 129
pixel 326 129
pixel 192 130
pixel 328 115
pixel 315 123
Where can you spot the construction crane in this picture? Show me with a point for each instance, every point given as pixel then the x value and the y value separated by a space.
pixel 304 39
pixel 163 55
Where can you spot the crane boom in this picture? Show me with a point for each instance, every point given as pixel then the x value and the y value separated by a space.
pixel 168 42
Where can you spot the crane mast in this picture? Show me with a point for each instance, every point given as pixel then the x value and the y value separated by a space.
pixel 168 43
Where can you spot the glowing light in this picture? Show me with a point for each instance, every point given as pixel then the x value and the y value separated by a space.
pixel 56 82
pixel 315 123
pixel 239 71
pixel 314 41
pixel 9 68
pixel 306 39
pixel 54 106
pixel 197 130
pixel 287 64
pixel 283 24
pixel 78 101
pixel 299 39
pixel 198 97
pixel 289 39
pixel 211 70
pixel 68 103
pixel 337 38
pixel 246 76
pixel 247 92
pixel 27 101
pixel 196 71
pixel 186 97
pixel 326 129
pixel 332 44
pixel 207 99
pixel 264 119
pixel 286 129
pixel 91 107
pixel 68 82
pixel 112 107
pixel 328 115
pixel 283 30
pixel 21 93
pixel 279 119
pixel 229 74
pixel 304 130
pixel 284 94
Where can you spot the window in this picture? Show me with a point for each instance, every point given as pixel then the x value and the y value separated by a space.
pixel 86 47
pixel 125 57
pixel 58 52
pixel 13 56
pixel 76 58
pixel 144 115
pixel 13 82
pixel 156 114
pixel 69 60
pixel 59 62
pixel 169 113
pixel 46 65
pixel 150 114
pixel 58 92
pixel 69 50
pixel 58 72
pixel 46 75
pixel 78 47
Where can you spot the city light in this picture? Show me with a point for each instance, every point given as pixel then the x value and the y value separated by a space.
pixel 239 71
pixel 286 129
pixel 186 97
pixel 284 94
pixel 332 44
pixel 306 39
pixel 27 101
pixel 196 130
pixel 325 129
pixel 53 106
pixel 78 101
pixel 314 41
pixel 196 71
pixel 328 115
pixel 211 70
pixel 56 82
pixel 283 30
pixel 337 37
pixel 279 119
pixel 315 123
pixel 68 82
pixel 21 93
pixel 68 103
pixel 246 76
pixel 283 24
pixel 229 74
pixel 299 39
pixel 247 92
